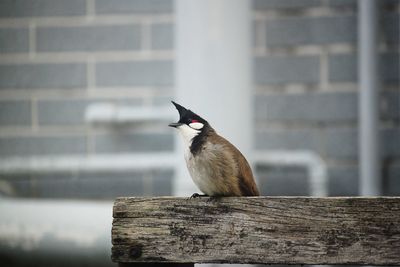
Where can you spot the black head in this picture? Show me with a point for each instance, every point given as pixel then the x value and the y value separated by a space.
pixel 186 116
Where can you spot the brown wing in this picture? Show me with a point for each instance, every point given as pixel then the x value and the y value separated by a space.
pixel 247 185
pixel 244 175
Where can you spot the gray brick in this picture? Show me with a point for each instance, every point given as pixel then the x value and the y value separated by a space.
pixel 88 38
pixel 391 28
pixel 271 4
pixel 341 3
pixel 72 112
pixel 15 113
pixel 162 182
pixel 390 142
pixel 139 73
pixel 89 185
pixel 343 181
pixel 43 76
pixel 127 143
pixel 343 68
pixel 353 3
pixel 390 105
pixel 62 112
pixel 134 6
pixel 162 36
pixel 288 139
pixel 281 70
pixel 300 31
pixel 29 146
pixel 392 181
pixel 14 40
pixel 390 68
pixel 110 185
pixel 303 107
pixel 274 181
pixel 21 186
pixel 341 143
pixel 28 8
pixel 390 3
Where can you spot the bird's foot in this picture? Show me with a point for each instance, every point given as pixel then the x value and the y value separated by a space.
pixel 197 195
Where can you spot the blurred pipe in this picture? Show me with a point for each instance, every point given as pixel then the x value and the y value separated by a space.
pixel 213 71
pixel 78 163
pixel 368 73
pixel 106 113
pixel 315 165
pixel 55 233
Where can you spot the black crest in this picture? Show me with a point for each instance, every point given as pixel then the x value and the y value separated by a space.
pixel 186 116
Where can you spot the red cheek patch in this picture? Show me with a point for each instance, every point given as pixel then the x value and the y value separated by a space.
pixel 194 121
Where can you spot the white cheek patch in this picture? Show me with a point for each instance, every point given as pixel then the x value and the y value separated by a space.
pixel 188 133
pixel 196 125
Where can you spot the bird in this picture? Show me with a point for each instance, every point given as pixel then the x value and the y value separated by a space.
pixel 216 166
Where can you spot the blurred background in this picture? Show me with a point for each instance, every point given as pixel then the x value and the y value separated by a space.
pixel 85 90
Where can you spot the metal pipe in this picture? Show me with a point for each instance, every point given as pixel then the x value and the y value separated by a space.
pixel 77 163
pixel 315 165
pixel 368 73
pixel 107 113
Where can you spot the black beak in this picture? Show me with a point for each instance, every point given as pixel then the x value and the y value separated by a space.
pixel 180 109
pixel 175 124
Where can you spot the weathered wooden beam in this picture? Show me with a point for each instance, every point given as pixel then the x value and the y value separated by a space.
pixel 262 230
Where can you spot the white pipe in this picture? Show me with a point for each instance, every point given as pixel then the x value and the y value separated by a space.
pixel 78 163
pixel 213 71
pixel 369 152
pixel 133 162
pixel 106 113
pixel 313 162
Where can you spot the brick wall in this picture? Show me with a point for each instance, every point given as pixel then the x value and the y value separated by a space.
pixel 306 89
pixel 57 57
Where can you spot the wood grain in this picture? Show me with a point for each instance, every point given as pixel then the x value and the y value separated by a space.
pixel 262 230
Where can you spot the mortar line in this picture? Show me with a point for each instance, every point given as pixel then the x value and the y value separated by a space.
pixel 83 57
pixel 76 21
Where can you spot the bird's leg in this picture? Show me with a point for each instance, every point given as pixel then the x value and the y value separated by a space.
pixel 197 195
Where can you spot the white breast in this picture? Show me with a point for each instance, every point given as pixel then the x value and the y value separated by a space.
pixel 201 171
pixel 198 166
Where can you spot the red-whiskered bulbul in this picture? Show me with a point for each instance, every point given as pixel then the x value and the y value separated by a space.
pixel 217 167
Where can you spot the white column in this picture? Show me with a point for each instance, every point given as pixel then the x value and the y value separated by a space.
pixel 213 71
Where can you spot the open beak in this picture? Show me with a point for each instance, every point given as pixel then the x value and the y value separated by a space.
pixel 175 124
